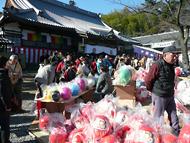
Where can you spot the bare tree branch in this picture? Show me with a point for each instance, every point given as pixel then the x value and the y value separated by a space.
pixel 169 6
pixel 178 13
pixel 186 35
pixel 125 5
pixel 149 12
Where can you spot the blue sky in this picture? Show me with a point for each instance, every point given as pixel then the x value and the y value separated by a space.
pixel 97 6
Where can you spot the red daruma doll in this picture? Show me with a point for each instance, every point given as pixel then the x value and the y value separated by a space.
pixel 58 135
pixel 101 126
pixel 184 136
pixel 109 139
pixel 44 122
pixel 177 71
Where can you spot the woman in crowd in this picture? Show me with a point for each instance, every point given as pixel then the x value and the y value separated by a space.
pixel 5 101
pixel 15 74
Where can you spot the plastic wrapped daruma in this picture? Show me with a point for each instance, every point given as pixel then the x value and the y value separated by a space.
pixel 184 136
pixel 101 126
pixel 44 122
pixel 77 136
pixel 145 134
pixel 169 138
pixel 58 135
pixel 109 139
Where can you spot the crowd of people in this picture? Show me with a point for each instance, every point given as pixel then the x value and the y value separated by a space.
pixel 160 80
pixel 59 68
pixel 10 93
pixel 64 68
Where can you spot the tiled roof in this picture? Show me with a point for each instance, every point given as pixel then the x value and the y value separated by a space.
pixel 4 40
pixel 167 36
pixel 55 13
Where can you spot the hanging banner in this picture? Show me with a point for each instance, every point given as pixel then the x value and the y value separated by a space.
pixel 146 51
pixel 96 49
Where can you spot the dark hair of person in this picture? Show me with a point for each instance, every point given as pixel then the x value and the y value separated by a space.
pixel 3 61
pixel 104 68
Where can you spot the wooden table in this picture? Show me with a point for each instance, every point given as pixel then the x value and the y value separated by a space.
pixel 60 107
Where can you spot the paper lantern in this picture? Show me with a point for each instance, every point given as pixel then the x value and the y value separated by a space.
pixel 65 93
pixel 75 89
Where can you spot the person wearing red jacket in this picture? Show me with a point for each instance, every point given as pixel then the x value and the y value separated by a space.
pixel 160 80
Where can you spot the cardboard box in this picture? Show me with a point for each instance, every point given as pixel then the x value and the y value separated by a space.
pixel 126 94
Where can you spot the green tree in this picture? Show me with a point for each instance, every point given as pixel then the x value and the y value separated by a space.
pixel 176 13
pixel 158 14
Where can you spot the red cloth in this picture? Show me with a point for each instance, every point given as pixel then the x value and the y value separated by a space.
pixel 93 66
pixel 77 62
pixel 39 107
pixel 60 67
pixel 151 76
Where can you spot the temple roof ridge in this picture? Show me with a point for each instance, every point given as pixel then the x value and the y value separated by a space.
pixel 69 7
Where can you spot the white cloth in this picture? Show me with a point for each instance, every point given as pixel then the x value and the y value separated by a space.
pixel 45 74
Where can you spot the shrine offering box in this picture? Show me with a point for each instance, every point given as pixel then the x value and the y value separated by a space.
pixel 126 94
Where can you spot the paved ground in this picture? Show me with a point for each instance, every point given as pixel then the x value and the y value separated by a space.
pixel 21 121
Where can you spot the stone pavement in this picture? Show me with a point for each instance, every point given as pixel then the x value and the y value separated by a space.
pixel 20 122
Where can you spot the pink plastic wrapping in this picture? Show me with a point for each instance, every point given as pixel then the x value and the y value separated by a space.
pixel 44 122
pixel 58 135
pixel 101 126
pixel 184 136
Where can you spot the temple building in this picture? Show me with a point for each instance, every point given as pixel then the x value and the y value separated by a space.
pixel 37 27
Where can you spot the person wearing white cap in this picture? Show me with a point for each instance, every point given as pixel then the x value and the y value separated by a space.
pixel 15 74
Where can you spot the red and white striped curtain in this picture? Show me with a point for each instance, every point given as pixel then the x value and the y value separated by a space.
pixel 32 55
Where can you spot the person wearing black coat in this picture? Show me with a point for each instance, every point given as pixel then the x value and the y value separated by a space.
pixel 104 84
pixel 5 101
